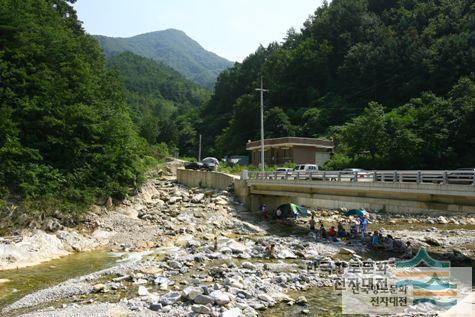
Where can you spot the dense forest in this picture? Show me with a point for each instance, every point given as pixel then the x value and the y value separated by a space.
pixel 391 81
pixel 163 104
pixel 66 134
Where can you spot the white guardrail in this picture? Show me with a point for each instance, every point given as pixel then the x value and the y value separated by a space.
pixel 460 177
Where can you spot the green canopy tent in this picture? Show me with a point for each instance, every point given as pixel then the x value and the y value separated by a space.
pixel 289 209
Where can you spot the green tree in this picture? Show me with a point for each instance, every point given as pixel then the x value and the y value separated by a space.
pixel 65 128
pixel 277 123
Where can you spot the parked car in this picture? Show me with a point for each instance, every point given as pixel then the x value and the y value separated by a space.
pixel 194 166
pixel 304 170
pixel 210 163
pixel 283 172
pixel 350 173
pixel 461 176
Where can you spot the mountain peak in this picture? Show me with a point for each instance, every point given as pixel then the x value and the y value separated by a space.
pixel 174 48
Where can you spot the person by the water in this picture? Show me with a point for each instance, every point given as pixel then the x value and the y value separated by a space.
pixel 323 232
pixel 363 224
pixel 270 250
pixel 376 241
pixel 265 212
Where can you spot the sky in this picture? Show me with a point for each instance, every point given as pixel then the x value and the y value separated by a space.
pixel 230 28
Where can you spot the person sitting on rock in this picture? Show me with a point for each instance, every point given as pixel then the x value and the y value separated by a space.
pixel 340 227
pixel 398 245
pixel 376 241
pixel 407 251
pixel 341 231
pixel 332 233
pixel 323 232
pixel 368 238
pixel 388 243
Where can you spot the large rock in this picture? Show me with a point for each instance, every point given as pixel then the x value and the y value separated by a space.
pixel 266 298
pixel 75 241
pixel 234 283
pixel 236 247
pixel 98 288
pixel 155 306
pixel 220 202
pixel 233 312
pixel 201 309
pixel 34 248
pixel 198 198
pixel 174 200
pixel 432 241
pixel 442 220
pixel 220 297
pixel 285 254
pixel 248 265
pixel 51 224
pixel 161 280
pixel 301 300
pixel 192 292
pixel 203 299
pixel 170 298
pixel 143 291
pixel 347 251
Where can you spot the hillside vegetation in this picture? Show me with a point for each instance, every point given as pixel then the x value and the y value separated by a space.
pixel 391 81
pixel 175 49
pixel 66 135
pixel 164 105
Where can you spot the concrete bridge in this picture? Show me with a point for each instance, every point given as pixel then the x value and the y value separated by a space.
pixel 437 192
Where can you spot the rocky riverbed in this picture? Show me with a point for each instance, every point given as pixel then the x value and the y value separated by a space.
pixel 200 253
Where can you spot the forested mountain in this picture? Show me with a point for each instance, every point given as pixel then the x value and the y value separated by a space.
pixel 175 49
pixel 66 135
pixel 163 103
pixel 391 80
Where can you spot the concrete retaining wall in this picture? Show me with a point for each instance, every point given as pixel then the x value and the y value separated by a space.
pixel 205 179
pixel 391 197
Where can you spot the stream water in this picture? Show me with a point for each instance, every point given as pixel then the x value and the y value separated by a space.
pixel 18 283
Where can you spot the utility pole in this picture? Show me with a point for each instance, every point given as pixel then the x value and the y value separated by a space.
pixel 262 90
pixel 199 150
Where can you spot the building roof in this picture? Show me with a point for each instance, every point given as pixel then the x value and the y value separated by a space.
pixel 291 141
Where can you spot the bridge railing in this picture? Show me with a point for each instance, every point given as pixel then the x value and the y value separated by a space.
pixel 460 177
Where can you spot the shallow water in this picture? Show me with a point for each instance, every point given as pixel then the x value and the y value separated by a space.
pixel 30 279
pixel 324 301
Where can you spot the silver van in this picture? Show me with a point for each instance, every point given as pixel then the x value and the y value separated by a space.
pixel 306 168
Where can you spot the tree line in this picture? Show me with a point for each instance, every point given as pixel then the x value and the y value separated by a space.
pixel 390 81
pixel 76 128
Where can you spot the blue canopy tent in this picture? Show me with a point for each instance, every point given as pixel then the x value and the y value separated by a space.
pixel 356 212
